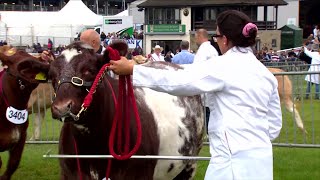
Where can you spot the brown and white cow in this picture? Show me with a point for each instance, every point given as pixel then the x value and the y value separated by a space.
pixel 170 125
pixel 16 84
pixel 285 93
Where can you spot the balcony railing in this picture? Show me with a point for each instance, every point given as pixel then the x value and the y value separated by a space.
pixel 208 25
pixel 211 25
pixel 266 25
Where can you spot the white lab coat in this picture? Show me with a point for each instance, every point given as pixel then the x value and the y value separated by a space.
pixel 157 58
pixel 205 52
pixel 315 66
pixel 247 113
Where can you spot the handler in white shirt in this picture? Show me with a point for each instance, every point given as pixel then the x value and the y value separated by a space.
pixel 157 56
pixel 313 78
pixel 245 96
pixel 205 50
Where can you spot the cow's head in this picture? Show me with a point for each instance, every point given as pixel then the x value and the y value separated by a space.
pixel 26 69
pixel 72 74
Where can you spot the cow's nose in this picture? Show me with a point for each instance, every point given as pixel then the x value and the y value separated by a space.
pixel 61 109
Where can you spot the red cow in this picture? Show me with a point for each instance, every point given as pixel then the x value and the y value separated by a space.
pixel 17 81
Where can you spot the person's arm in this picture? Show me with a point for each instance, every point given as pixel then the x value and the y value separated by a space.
pixel 274 115
pixel 174 60
pixel 193 80
pixel 308 53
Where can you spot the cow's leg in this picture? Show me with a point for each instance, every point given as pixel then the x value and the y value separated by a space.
pixel 14 158
pixel 188 172
pixel 37 124
pixel 291 107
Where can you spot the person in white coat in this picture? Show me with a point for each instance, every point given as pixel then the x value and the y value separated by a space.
pixel 247 113
pixel 157 56
pixel 313 78
pixel 205 51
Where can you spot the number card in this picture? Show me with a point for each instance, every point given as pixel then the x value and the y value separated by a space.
pixel 16 116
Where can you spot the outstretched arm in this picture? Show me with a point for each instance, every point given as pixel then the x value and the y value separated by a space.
pixel 193 80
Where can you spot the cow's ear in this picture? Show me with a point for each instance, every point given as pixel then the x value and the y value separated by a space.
pixel 33 70
pixel 120 46
pixel 6 53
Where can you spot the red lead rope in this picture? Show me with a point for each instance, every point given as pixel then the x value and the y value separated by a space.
pixel 125 99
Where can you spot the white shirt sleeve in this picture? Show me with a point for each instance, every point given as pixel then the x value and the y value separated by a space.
pixel 274 115
pixel 309 53
pixel 194 80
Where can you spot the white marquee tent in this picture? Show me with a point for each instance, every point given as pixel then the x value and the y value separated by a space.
pixel 77 13
pixel 30 27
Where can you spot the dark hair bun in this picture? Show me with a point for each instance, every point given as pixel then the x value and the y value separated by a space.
pixel 252 36
pixel 237 27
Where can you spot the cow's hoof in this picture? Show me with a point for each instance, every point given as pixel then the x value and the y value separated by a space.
pixel 34 139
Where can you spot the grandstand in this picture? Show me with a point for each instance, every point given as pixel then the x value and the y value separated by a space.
pixel 105 7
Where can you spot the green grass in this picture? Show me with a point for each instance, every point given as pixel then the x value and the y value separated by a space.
pixel 289 164
pixel 50 128
pixel 309 112
pixel 33 166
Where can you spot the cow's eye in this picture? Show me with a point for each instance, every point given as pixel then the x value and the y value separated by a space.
pixel 86 73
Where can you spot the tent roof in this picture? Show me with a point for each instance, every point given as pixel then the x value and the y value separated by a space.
pixel 75 12
pixel 123 13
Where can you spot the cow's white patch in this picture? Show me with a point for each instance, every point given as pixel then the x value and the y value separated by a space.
pixel 168 116
pixel 69 54
pixel 15 135
pixel 94 174
pixel 86 46
pixel 82 128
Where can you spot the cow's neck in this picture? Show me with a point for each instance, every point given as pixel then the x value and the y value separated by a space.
pixel 102 109
pixel 14 95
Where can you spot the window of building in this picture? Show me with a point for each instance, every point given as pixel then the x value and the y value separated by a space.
pixel 250 11
pixel 163 16
pixel 210 14
pixel 205 17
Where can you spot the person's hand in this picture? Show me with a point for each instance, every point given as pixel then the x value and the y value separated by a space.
pixel 46 56
pixel 122 66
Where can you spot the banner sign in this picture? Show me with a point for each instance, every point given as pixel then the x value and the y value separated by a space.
pixel 113 21
pixel 166 28
pixel 132 43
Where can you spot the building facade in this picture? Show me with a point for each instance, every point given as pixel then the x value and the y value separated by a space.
pixel 168 22
pixel 288 14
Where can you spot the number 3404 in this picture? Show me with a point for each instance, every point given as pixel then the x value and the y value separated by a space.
pixel 17 115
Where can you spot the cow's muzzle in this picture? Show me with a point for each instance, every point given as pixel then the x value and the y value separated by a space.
pixel 63 112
